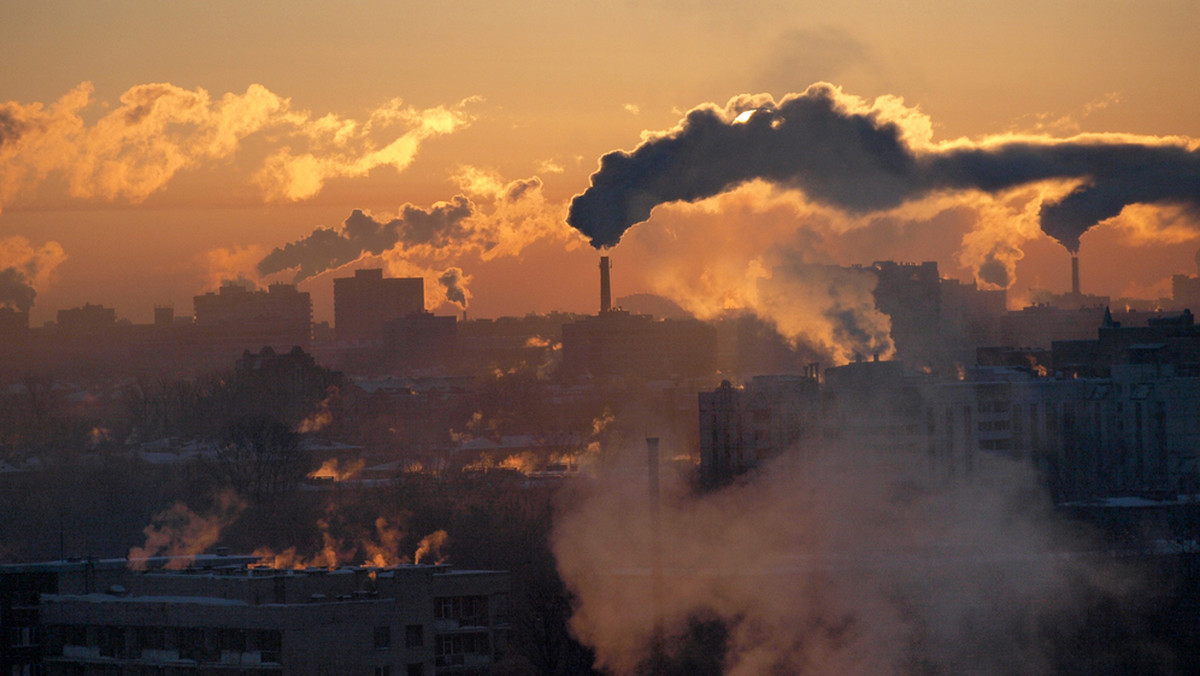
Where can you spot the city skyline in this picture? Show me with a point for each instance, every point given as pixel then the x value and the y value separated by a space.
pixel 150 152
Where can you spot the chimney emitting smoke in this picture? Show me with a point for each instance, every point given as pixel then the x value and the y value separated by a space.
pixel 1074 275
pixel 605 291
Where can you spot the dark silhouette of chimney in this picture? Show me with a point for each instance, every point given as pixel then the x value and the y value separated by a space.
pixel 605 291
pixel 1074 275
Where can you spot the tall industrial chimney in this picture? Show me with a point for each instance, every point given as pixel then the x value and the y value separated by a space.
pixel 1074 275
pixel 605 291
pixel 657 647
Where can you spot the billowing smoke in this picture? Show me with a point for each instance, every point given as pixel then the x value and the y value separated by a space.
pixel 361 234
pixel 455 281
pixel 159 129
pixel 851 562
pixel 842 153
pixel 15 291
pixel 489 218
pixel 23 268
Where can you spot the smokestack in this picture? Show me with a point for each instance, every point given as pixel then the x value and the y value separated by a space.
pixel 1074 275
pixel 605 291
pixel 657 648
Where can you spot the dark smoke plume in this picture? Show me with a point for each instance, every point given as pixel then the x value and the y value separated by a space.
pixel 15 291
pixel 327 248
pixel 455 282
pixel 859 161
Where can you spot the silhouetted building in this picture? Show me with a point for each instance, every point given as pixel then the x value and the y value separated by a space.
pixel 872 405
pixel 616 343
pixel 420 339
pixel 365 303
pixel 743 427
pixel 226 615
pixel 88 320
pixel 1172 343
pixel 1185 291
pixel 14 326
pixel 237 319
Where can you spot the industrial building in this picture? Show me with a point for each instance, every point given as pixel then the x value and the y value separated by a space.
pixel 230 615
pixel 616 343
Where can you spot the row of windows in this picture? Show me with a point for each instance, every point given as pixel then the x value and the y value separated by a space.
pixel 414 636
pixel 203 644
pixel 466 610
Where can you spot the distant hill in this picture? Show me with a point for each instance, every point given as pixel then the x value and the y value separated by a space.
pixel 650 304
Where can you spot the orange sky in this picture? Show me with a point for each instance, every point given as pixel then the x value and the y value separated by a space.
pixel 208 134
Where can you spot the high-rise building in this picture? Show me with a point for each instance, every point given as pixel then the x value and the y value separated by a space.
pixel 365 303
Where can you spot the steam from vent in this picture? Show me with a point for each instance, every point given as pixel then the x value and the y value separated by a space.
pixel 860 158
pixel 855 562
pixel 182 534
pixel 431 547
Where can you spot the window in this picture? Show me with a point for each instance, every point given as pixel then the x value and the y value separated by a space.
pixel 385 670
pixel 416 669
pixel 414 636
pixel 452 648
pixel 467 610
pixel 383 638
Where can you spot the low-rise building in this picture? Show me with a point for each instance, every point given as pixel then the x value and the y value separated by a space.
pixel 230 615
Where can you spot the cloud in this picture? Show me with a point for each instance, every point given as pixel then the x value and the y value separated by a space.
pixel 236 264
pixel 857 157
pixel 159 129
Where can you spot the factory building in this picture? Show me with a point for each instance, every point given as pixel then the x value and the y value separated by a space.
pixel 616 343
pixel 227 615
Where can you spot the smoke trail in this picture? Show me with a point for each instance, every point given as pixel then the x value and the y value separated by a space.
pixel 361 234
pixel 843 153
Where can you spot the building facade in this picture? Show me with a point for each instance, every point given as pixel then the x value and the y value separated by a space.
pixel 228 615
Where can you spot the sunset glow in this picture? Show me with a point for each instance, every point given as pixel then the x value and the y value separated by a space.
pixel 120 136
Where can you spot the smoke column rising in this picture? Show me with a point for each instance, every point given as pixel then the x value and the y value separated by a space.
pixel 842 153
pixel 15 290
